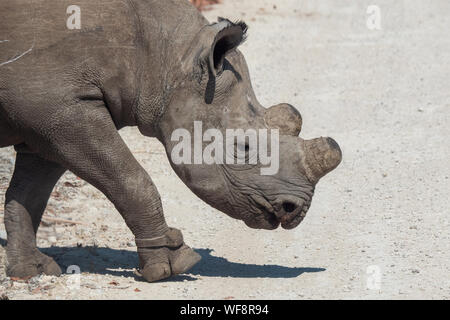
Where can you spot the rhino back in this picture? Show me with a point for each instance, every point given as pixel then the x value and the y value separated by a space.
pixel 42 27
pixel 41 58
pixel 35 33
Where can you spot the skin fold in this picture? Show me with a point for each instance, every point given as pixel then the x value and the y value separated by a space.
pixel 157 65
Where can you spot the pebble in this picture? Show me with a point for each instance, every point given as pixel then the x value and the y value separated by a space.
pixel 52 239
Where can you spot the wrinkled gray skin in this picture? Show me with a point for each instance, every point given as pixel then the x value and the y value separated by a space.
pixel 157 65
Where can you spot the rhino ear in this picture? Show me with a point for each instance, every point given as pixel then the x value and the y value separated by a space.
pixel 228 36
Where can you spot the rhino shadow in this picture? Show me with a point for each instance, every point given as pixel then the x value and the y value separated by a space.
pixel 119 262
pixel 97 260
pixel 212 266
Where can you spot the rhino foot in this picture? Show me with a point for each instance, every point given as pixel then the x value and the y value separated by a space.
pixel 24 266
pixel 165 257
pixel 174 262
pixel 183 259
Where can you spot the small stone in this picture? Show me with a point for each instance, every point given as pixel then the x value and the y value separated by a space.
pixel 60 230
pixel 52 239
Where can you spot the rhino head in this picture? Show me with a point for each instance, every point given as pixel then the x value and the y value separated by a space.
pixel 214 91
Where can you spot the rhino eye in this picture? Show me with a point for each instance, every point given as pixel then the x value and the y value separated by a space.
pixel 242 149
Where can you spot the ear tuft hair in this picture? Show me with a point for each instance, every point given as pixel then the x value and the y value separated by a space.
pixel 244 28
pixel 229 35
pixel 237 23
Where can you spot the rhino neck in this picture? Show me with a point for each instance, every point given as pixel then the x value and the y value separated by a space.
pixel 166 30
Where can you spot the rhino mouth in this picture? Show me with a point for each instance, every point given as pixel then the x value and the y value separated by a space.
pixel 291 211
pixel 271 218
pixel 288 211
pixel 265 214
pixel 289 218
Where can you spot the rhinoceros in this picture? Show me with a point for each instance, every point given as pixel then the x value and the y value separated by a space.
pixel 73 73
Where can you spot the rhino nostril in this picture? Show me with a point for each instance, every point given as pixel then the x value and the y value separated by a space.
pixel 289 206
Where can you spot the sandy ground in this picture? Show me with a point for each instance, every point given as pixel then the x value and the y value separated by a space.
pixel 379 224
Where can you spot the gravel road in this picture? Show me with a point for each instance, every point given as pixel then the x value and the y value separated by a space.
pixel 379 225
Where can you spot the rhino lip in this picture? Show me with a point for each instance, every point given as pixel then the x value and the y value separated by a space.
pixel 266 208
pixel 291 220
pixel 271 218
pixel 291 211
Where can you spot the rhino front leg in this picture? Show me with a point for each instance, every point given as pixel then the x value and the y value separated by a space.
pixel 26 198
pixel 88 144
